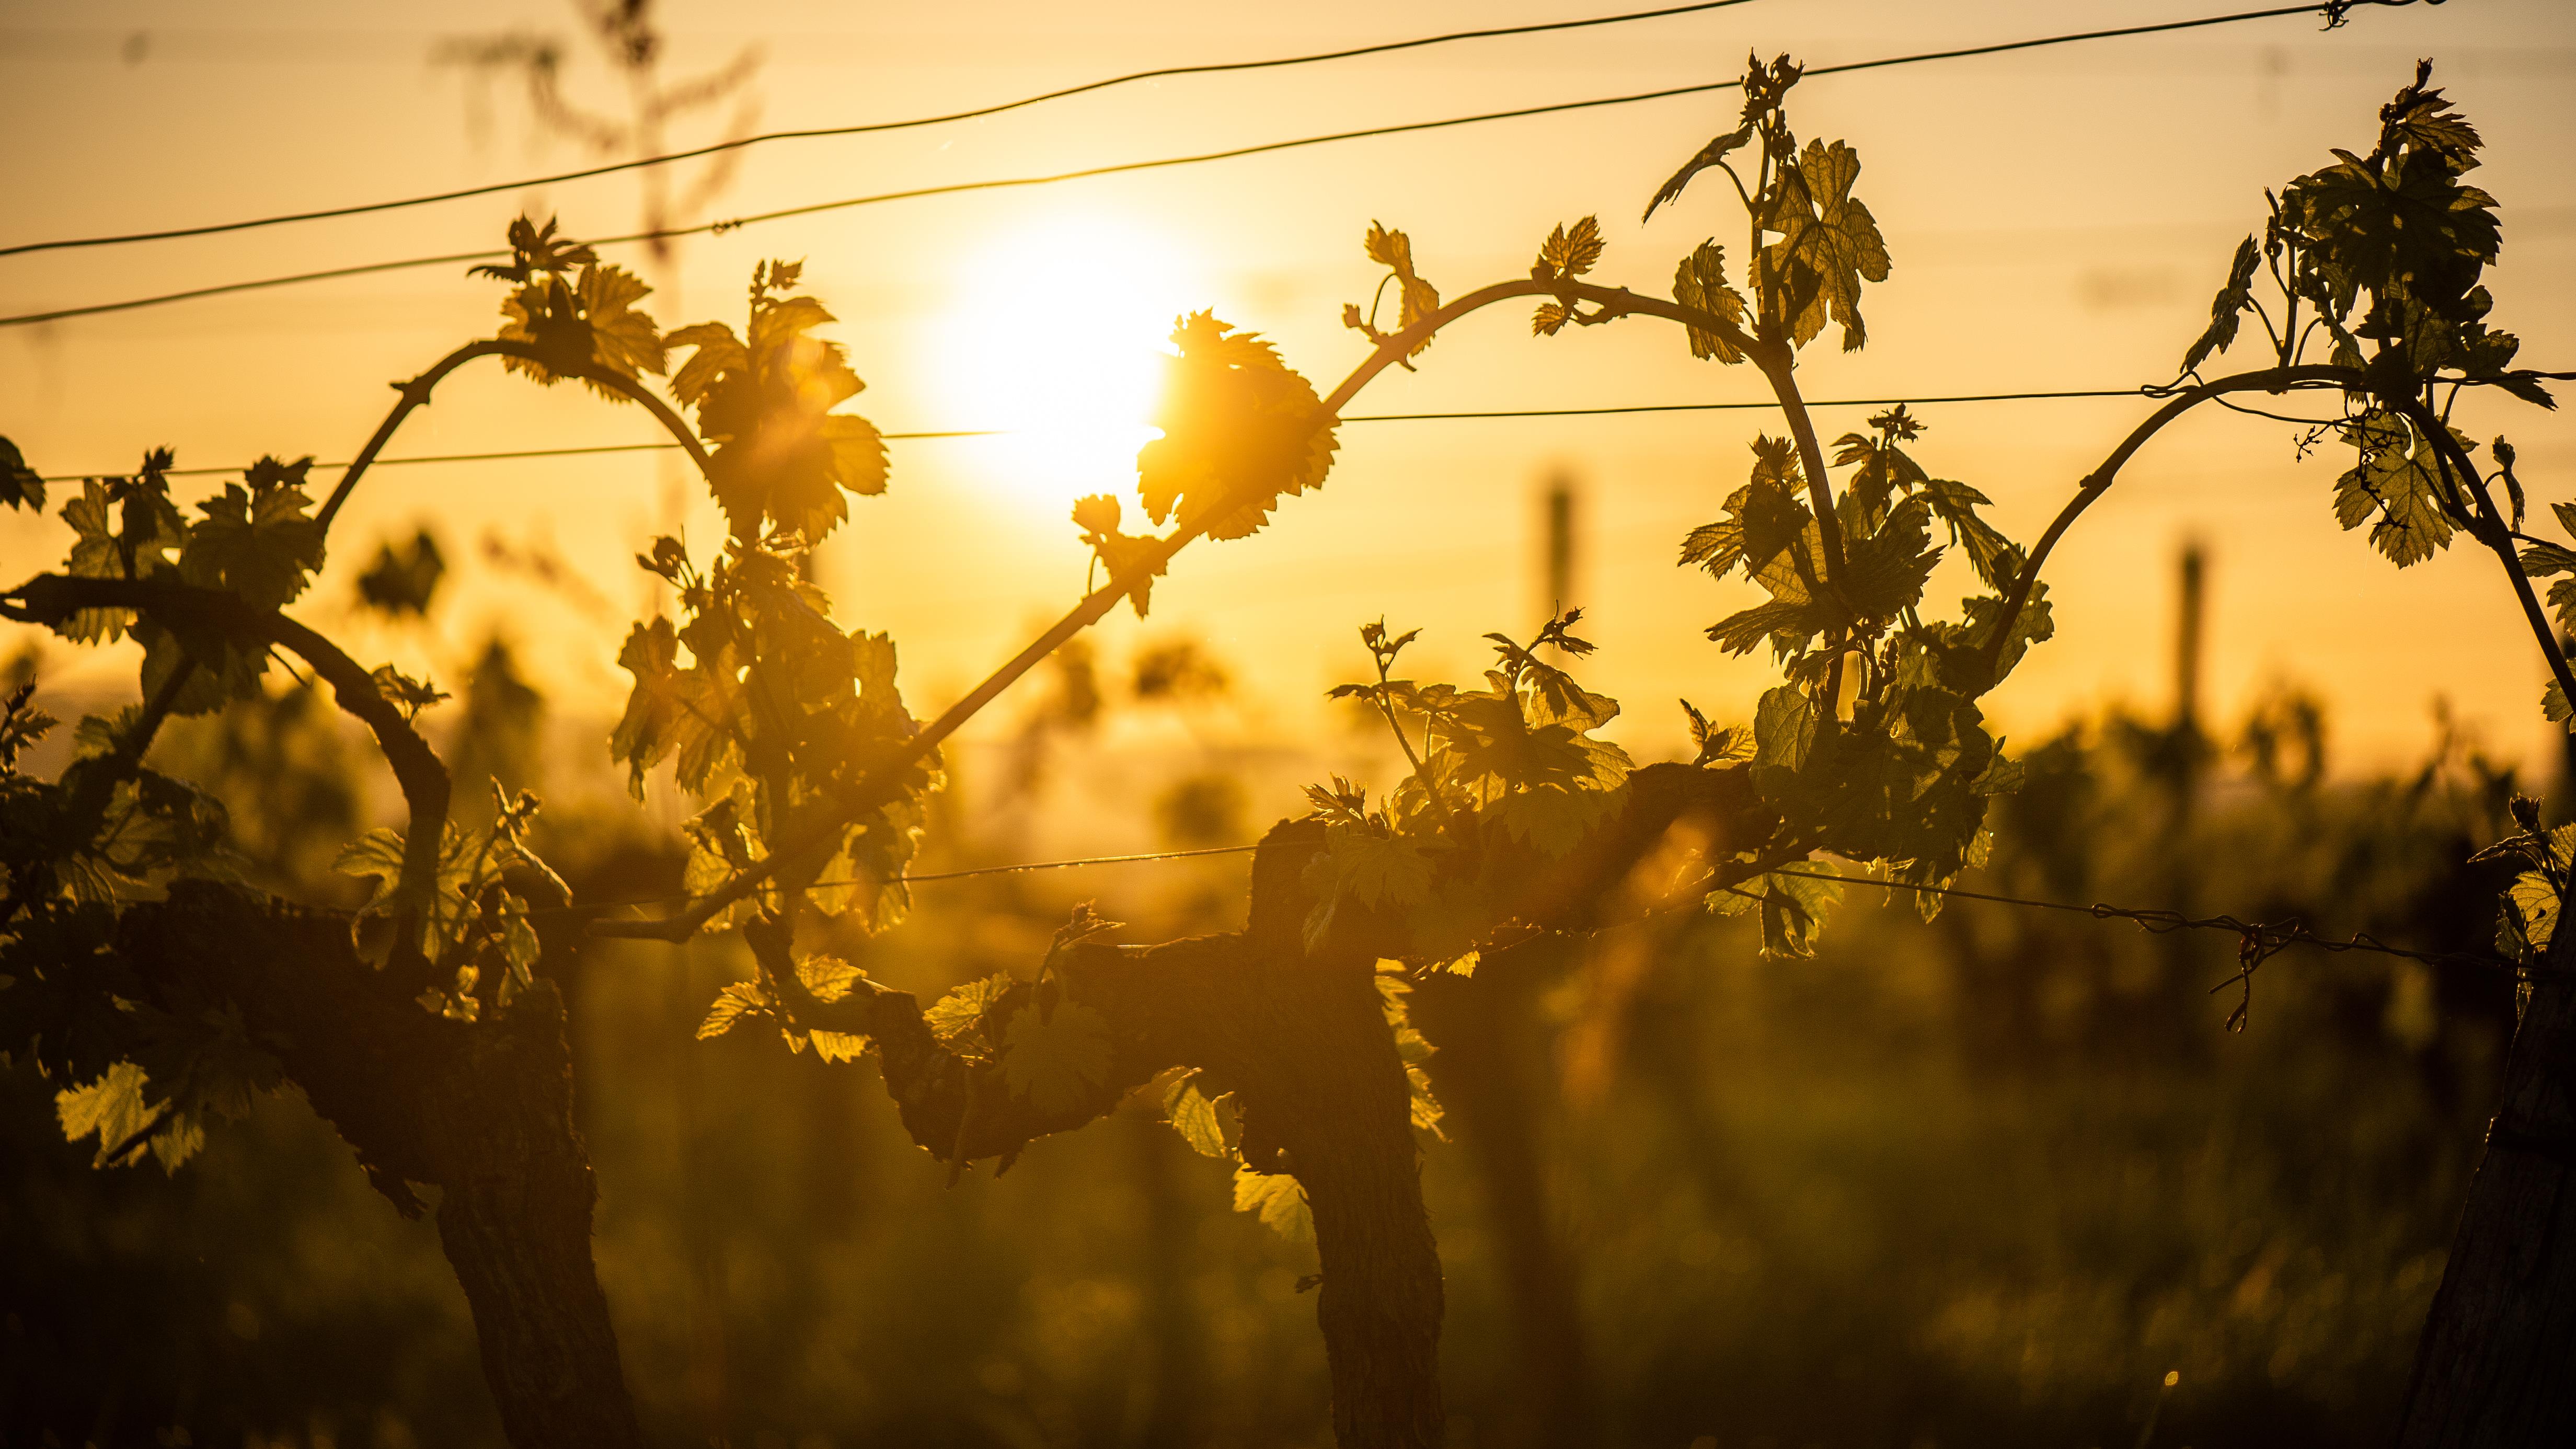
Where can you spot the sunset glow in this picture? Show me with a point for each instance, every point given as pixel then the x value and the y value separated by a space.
pixel 1193 725
pixel 1057 333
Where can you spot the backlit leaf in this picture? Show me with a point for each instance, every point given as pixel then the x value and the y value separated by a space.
pixel 960 1010
pixel 828 977
pixel 1699 281
pixel 838 1046
pixel 588 323
pixel 1416 299
pixel 113 1108
pixel 1829 244
pixel 1709 155
pixel 2396 483
pixel 1199 1120
pixel 1240 430
pixel 782 457
pixel 1571 253
pixel 737 1000
pixel 1278 1200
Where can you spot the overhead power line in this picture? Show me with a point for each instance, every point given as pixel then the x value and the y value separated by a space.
pixel 2257 941
pixel 1026 867
pixel 1725 407
pixel 1058 865
pixel 2333 9
pixel 1715 407
pixel 868 128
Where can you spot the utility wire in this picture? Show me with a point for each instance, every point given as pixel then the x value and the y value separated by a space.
pixel 870 128
pixel 2257 941
pixel 1054 865
pixel 1020 869
pixel 1840 402
pixel 2148 391
pixel 507 454
pixel 2332 9
pixel 1847 402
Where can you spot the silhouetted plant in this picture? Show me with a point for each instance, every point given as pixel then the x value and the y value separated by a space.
pixel 159 993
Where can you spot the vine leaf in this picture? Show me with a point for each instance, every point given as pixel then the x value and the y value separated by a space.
pixel 1416 299
pixel 1056 1061
pixel 470 861
pixel 1709 155
pixel 1208 1124
pixel 1566 255
pixel 1278 1201
pixel 20 485
pixel 1829 244
pixel 962 1010
pixel 405 693
pixel 2400 220
pixel 2227 307
pixel 1793 909
pixel 116 1109
pixel 1715 745
pixel 830 1046
pixel 1996 558
pixel 782 458
pixel 257 542
pixel 2542 559
pixel 2034 624
pixel 2396 479
pixel 1784 729
pixel 1884 573
pixel 1771 535
pixel 670 712
pixel 737 1000
pixel 253 541
pixel 1373 869
pixel 535 251
pixel 1414 1048
pixel 132 544
pixel 1699 280
pixel 1240 431
pixel 1124 555
pixel 829 978
pixel 1361 862
pixel 586 323
pixel 2529 921
pixel 21 726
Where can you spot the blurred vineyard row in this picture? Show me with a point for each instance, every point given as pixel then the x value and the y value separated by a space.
pixel 1985 1180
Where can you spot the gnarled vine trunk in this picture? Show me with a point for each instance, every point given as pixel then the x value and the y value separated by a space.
pixel 482 1111
pixel 1304 1043
pixel 1318 1070
pixel 2497 1365
pixel 1300 1036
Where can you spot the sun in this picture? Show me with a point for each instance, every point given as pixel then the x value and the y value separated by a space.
pixel 1059 335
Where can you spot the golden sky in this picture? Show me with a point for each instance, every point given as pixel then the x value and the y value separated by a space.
pixel 2058 219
